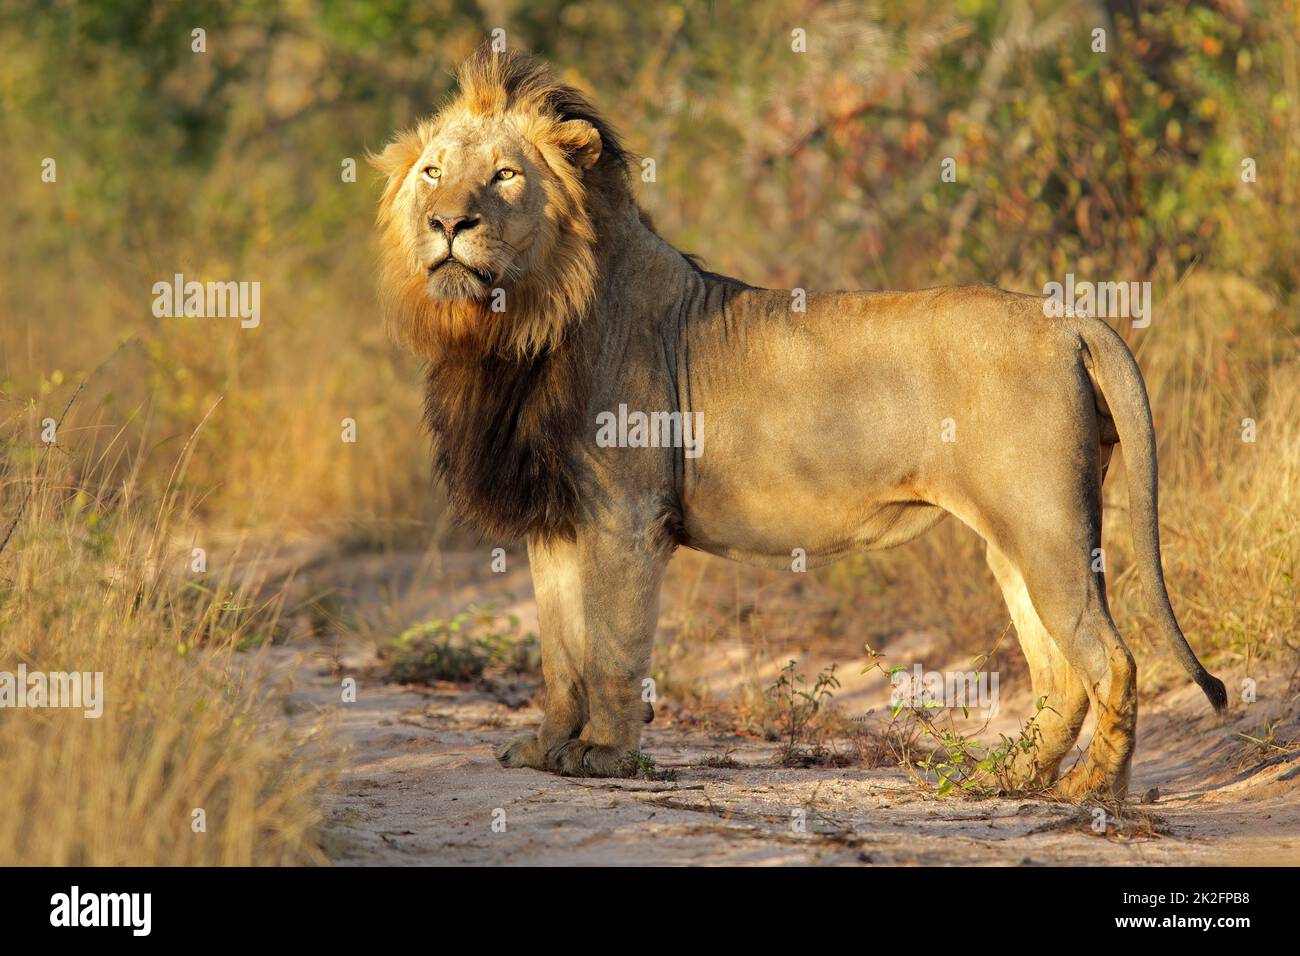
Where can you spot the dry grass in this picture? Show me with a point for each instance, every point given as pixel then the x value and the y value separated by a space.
pixel 90 582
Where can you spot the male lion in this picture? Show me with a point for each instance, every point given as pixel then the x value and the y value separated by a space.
pixel 517 263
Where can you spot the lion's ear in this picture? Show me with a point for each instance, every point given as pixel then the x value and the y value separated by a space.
pixel 581 141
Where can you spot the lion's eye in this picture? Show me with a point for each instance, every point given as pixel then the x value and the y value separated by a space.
pixel 504 174
pixel 432 173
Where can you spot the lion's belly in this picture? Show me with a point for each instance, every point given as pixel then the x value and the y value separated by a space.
pixel 819 530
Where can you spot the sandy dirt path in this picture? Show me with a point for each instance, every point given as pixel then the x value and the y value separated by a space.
pixel 419 784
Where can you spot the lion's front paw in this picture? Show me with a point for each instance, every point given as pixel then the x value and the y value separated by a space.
pixel 522 751
pixel 580 758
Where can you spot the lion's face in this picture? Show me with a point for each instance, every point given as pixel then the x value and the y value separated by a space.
pixel 477 204
pixel 489 238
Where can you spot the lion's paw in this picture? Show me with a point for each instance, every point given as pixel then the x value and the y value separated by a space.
pixel 522 751
pixel 581 758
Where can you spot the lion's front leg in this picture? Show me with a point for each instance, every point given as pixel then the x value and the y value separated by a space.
pixel 598 604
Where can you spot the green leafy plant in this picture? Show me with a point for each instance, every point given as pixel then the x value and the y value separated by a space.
pixel 461 648
pixel 641 766
pixel 955 763
pixel 796 705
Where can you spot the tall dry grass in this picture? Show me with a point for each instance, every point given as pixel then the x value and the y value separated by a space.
pixel 90 581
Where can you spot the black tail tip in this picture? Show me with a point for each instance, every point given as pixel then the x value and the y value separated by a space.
pixel 1215 691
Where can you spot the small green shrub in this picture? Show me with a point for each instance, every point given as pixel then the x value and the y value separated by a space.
pixel 461 648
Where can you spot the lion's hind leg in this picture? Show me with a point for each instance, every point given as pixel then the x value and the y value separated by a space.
pixel 1070 601
pixel 1064 699
pixel 1040 510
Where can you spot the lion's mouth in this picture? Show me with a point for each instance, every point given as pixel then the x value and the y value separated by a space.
pixel 455 264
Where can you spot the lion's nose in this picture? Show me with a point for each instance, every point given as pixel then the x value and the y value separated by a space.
pixel 451 225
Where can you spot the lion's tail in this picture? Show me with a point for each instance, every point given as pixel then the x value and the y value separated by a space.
pixel 1121 385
